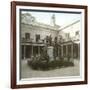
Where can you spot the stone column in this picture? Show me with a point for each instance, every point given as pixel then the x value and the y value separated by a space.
pixel 62 50
pixel 58 51
pixel 72 53
pixel 72 50
pixel 78 50
pixel 32 50
pixel 38 50
pixel 66 50
pixel 24 51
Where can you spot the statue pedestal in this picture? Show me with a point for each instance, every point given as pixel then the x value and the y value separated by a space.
pixel 50 52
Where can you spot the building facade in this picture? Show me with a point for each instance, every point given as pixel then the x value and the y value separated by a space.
pixel 35 36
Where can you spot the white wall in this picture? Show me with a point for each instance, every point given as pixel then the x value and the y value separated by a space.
pixel 5 45
pixel 71 30
pixel 33 30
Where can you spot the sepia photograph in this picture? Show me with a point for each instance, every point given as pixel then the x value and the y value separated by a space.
pixel 48 44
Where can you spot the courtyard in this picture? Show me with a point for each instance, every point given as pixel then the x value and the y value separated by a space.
pixel 27 72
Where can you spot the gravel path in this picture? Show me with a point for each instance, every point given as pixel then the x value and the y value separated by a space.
pixel 27 72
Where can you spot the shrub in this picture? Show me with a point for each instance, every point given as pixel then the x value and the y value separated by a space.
pixel 43 63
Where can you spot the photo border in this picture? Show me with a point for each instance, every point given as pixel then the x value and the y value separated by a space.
pixel 14 43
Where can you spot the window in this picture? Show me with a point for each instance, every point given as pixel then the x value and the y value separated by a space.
pixel 77 32
pixel 27 36
pixel 37 37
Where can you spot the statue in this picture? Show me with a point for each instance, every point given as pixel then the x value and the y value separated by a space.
pixel 50 40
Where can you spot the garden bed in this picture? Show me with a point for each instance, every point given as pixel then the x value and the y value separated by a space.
pixel 49 65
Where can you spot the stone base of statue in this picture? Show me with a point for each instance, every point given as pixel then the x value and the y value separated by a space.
pixel 50 52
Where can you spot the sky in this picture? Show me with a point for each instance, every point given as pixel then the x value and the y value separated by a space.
pixel 61 18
